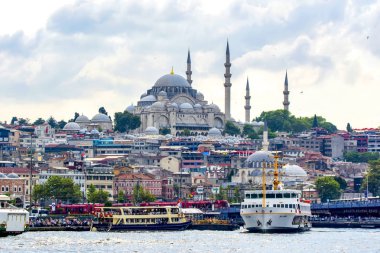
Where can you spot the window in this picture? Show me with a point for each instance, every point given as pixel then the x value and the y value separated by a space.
pixel 286 206
pixel 287 195
pixel 282 205
pixel 278 195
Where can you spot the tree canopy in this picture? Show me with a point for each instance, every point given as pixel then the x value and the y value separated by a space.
pixel 125 121
pixel 103 110
pixel 13 120
pixel 349 128
pixel 249 132
pixel 52 122
pixel 373 178
pixel 283 120
pixel 360 157
pixel 58 188
pixel 96 196
pixel 39 121
pixel 142 195
pixel 327 188
pixel 231 129
pixel 61 124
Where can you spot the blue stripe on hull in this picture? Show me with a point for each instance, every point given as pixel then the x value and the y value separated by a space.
pixel 278 230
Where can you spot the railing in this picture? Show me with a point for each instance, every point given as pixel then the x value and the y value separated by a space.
pixel 346 204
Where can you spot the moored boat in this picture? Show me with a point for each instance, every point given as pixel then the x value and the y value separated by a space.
pixel 13 220
pixel 139 218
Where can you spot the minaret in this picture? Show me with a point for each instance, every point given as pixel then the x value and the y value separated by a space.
pixel 247 106
pixel 188 71
pixel 265 143
pixel 286 93
pixel 227 85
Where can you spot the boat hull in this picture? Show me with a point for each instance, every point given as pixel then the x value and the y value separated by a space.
pixel 141 227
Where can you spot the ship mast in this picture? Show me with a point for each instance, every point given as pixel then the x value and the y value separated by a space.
pixel 276 182
pixel 264 184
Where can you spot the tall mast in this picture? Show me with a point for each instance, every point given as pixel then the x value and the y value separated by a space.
pixel 276 182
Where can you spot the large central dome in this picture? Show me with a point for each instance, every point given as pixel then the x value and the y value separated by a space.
pixel 172 80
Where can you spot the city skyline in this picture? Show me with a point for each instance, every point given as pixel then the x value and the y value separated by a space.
pixel 61 58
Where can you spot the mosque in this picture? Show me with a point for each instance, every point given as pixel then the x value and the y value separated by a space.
pixel 173 103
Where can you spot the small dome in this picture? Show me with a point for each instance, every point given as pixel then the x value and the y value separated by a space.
pixel 130 108
pixel 162 93
pixel 71 126
pixel 214 107
pixel 100 117
pixel 292 170
pixel 200 96
pixel 173 105
pixel 258 157
pixel 185 106
pixel 13 175
pixel 197 106
pixel 149 98
pixel 143 95
pixel 151 131
pixel 172 80
pixel 157 105
pixel 94 131
pixel 82 119
pixel 214 132
pixel 2 175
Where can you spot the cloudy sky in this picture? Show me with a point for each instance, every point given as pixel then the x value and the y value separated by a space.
pixel 62 57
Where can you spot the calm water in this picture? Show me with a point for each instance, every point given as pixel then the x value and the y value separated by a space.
pixel 317 240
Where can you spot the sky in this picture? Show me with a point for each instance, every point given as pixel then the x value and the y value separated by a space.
pixel 61 57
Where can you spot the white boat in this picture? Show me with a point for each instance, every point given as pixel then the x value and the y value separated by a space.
pixel 276 210
pixel 13 220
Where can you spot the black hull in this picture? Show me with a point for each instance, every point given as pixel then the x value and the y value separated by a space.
pixel 216 227
pixel 279 230
pixel 142 227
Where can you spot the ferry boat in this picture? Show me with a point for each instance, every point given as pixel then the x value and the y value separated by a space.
pixel 13 220
pixel 276 210
pixel 139 218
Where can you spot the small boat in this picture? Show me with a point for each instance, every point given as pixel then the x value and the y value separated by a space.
pixel 13 220
pixel 139 218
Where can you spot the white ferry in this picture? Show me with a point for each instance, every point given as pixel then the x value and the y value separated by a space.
pixel 139 218
pixel 12 220
pixel 275 210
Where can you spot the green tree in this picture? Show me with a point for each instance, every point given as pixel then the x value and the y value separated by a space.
pixel 222 194
pixel 186 132
pixel 349 128
pixel 61 124
pixel 13 120
pixel 360 157
pixel 52 122
pixel 249 132
pixel 342 183
pixel 103 110
pixel 39 121
pixel 231 129
pixel 165 131
pixel 91 194
pixel 125 121
pixel 61 189
pixel 315 121
pixel 38 192
pixel 100 196
pixel 120 197
pixel 327 188
pixel 373 178
pixel 76 115
pixel 141 195
pixel 22 121
pixel 237 197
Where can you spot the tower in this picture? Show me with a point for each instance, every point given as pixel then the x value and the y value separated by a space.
pixel 286 93
pixel 265 142
pixel 188 71
pixel 247 106
pixel 227 85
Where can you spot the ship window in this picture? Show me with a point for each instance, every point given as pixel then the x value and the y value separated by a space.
pixel 247 196
pixel 270 195
pixel 294 195
pixel 254 196
pixel 274 205
pixel 260 205
pixel 286 206
pixel 282 205
pixel 287 195
pixel 278 195
pixel 260 195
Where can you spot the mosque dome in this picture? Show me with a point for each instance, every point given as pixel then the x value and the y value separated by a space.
pixel 151 131
pixel 186 106
pixel 197 106
pixel 100 117
pixel 292 170
pixel 157 105
pixel 71 126
pixel 130 108
pixel 258 157
pixel 200 96
pixel 143 95
pixel 82 119
pixel 149 98
pixel 2 175
pixel 13 175
pixel 172 80
pixel 214 107
pixel 162 93
pixel 214 132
